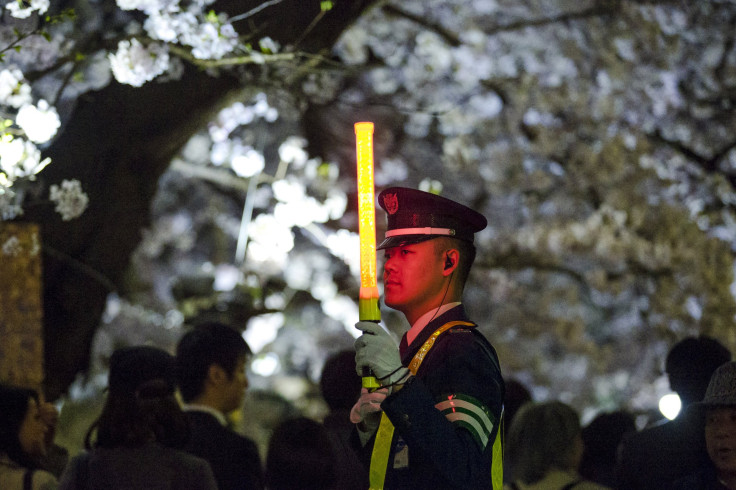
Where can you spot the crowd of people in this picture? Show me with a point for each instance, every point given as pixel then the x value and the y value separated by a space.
pixel 432 411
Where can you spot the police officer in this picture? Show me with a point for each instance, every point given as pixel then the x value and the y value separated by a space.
pixel 434 422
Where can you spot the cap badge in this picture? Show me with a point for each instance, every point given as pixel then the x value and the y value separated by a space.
pixel 391 202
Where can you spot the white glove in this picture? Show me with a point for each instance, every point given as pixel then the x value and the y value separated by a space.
pixel 377 350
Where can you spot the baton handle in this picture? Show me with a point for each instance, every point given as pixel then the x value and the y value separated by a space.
pixel 369 380
pixel 369 312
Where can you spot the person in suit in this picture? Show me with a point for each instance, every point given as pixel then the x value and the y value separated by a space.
pixel 211 360
pixel 657 455
pixel 435 422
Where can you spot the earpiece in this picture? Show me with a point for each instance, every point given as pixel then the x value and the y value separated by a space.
pixel 448 262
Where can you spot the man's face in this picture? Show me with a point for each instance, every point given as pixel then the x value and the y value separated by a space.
pixel 234 387
pixel 720 438
pixel 412 277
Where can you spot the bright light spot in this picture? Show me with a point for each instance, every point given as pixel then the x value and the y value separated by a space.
pixel 345 310
pixel 274 301
pixel 13 89
pixel 693 306
pixel 262 330
pixel 323 286
pixel 113 307
pixel 670 405
pixel 288 190
pixel 302 214
pixel 248 163
pixel 226 277
pixel 40 122
pixel 293 151
pixel 335 204
pixel 266 365
pixel 291 387
pixel 298 274
pixel 270 239
pixel 346 245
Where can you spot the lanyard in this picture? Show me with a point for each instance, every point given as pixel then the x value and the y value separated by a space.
pixel 385 434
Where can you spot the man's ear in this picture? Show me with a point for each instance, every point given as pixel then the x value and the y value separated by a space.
pixel 452 257
pixel 216 375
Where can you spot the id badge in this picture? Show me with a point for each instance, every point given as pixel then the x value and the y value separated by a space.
pixel 401 456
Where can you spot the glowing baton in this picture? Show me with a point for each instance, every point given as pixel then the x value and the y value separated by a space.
pixel 368 300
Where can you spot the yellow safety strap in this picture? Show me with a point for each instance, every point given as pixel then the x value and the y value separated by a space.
pixel 385 434
pixel 497 464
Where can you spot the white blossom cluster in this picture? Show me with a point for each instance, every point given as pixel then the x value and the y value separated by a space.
pixel 70 200
pixel 39 122
pixel 210 37
pixel 12 247
pixel 227 148
pixel 22 9
pixel 20 157
pixel 135 64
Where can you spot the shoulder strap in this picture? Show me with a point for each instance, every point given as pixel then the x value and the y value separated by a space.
pixel 422 352
pixel 28 479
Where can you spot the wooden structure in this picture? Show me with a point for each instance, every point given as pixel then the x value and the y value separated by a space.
pixel 21 312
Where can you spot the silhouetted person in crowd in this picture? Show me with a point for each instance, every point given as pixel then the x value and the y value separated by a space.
pixel 23 440
pixel 601 438
pixel 340 387
pixel 718 416
pixel 302 455
pixel 211 360
pixel 136 441
pixel 515 396
pixel 544 448
pixel 656 456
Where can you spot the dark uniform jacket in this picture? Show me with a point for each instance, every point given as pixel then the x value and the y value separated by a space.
pixel 447 417
pixel 704 479
pixel 234 459
pixel 654 457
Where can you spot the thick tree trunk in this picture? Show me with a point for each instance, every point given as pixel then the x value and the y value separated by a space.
pixel 118 142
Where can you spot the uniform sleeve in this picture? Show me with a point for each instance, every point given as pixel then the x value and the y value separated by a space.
pixel 450 412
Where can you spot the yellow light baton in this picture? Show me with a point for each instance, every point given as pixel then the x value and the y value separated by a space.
pixel 368 300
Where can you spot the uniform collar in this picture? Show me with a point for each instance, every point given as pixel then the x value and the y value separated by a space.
pixel 408 350
pixel 423 320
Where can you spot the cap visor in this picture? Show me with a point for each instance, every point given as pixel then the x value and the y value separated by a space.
pixel 400 240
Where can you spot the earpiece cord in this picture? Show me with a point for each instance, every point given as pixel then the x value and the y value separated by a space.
pixel 442 302
pixel 391 373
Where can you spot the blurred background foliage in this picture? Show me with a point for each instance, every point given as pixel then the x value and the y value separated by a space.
pixel 597 137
